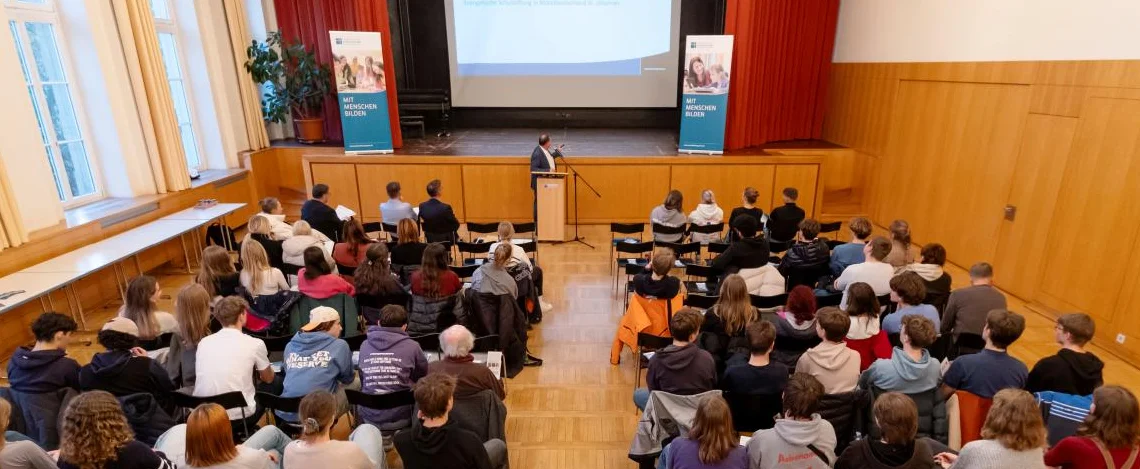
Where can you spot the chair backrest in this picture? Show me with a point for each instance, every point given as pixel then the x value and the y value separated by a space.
pixel 487 343
pixel 806 275
pixel 972 410
pixel 290 269
pixel 390 400
pixel 698 270
pixel 482 228
pixel 634 269
pixel 828 300
pixel 752 412
pixel 680 249
pixel 345 270
pixel 473 248
pixel 428 342
pixel 700 301
pixel 886 304
pixel 355 341
pixel 717 248
pixel 967 343
pixel 659 312
pixel 833 243
pixel 795 345
pixel 157 343
pixel 373 227
pixel 283 404
pixel 390 228
pixel 659 229
pixel 277 344
pixel 524 228
pixel 769 302
pixel 634 248
pixel 714 228
pixel 895 339
pixel 229 400
pixel 627 228
pixel 464 271
pixel 832 227
pixel 653 342
pixel 528 247
pixel 778 246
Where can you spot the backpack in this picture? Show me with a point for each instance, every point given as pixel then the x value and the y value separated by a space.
pixel 222 235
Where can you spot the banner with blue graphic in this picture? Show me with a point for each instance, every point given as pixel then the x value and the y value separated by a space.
pixel 704 102
pixel 358 65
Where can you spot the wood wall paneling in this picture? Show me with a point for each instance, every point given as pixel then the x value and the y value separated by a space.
pixel 413 179
pixel 341 179
pixel 628 192
pixel 727 183
pixel 802 177
pixel 509 197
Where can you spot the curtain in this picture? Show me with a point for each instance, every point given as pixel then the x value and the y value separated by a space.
pixel 250 95
pixel 152 93
pixel 780 66
pixel 12 231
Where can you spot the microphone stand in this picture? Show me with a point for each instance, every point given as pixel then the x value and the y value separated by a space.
pixel 577 178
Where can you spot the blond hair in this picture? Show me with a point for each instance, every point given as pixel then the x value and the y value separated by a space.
pixel 254 260
pixel 1015 421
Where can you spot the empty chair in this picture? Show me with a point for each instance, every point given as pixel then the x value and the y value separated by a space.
pixel 464 272
pixel 523 228
pixel 625 229
pixel 372 229
pixel 480 229
pixel 471 253
pixel 272 404
pixel 687 253
pixel 631 253
pixel 702 302
pixel 832 227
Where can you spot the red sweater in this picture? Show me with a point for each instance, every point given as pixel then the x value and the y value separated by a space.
pixel 870 349
pixel 448 283
pixel 325 286
pixel 1078 452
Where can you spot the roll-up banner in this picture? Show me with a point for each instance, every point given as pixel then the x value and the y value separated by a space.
pixel 704 102
pixel 358 64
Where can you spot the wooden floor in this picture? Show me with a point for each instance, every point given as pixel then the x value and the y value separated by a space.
pixel 576 410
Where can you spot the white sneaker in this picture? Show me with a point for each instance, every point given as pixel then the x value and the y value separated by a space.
pixel 546 307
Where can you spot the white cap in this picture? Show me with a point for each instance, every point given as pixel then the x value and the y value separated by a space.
pixel 320 315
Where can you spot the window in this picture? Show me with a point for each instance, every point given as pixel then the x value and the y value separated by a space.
pixel 174 62
pixel 36 32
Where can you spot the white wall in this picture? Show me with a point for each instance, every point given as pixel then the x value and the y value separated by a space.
pixel 987 30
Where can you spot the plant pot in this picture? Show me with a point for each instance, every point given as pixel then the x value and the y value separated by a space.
pixel 310 130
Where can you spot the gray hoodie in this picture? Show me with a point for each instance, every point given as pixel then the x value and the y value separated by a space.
pixel 784 446
pixel 667 217
pixel 901 373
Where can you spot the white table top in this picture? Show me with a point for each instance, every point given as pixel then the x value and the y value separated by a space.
pixel 98 255
pixel 205 214
pixel 33 284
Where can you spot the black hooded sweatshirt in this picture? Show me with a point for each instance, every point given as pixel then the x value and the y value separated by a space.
pixel 1067 372
pixel 122 374
pixel 446 446
pixel 684 370
pixel 42 371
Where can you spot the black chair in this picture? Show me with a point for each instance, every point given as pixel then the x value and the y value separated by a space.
pixel 647 343
pixel 754 412
pixel 392 230
pixel 386 401
pixel 659 229
pixel 345 270
pixel 716 248
pixel 715 228
pixel 487 343
pixel 355 341
pixel 631 270
pixel 625 229
pixel 940 349
pixel 636 250
pixel 531 249
pixel 290 269
pixel 769 302
pixel 895 339
pixel 828 300
pixel 525 228
pixel 794 345
pixel 832 227
pixel 480 229
pixel 373 227
pixel 229 400
pixel 464 272
pixel 776 247
pixel 885 305
pixel 272 404
pixel 157 343
pixel 700 301
pixel 687 253
pixel 468 252
pixel 966 344
pixel 806 275
pixel 832 244
pixel 277 344
pixel 428 342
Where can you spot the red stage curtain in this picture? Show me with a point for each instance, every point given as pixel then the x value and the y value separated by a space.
pixel 310 22
pixel 780 66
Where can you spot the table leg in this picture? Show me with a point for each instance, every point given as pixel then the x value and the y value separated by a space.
pixel 121 281
pixel 78 306
pixel 51 301
pixel 185 253
pixel 138 264
pixel 44 303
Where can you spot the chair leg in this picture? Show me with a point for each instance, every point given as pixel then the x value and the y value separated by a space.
pixel 244 424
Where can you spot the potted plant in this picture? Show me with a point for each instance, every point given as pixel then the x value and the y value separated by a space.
pixel 295 84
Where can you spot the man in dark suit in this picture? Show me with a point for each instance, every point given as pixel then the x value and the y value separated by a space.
pixel 320 216
pixel 542 159
pixel 437 218
pixel 784 221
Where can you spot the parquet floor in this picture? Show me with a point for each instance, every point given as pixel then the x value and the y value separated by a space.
pixel 576 410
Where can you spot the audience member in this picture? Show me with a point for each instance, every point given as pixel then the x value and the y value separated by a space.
pixel 319 215
pixel 1108 437
pixel 908 291
pixel 801 438
pixel 808 250
pixel 437 217
pixel 23 453
pixel 968 307
pixel 45 368
pixel 934 277
pixel 316 448
pixel 506 233
pixel 900 255
pixel 408 250
pixel 865 336
pixel 207 441
pixel 797 318
pixel 395 209
pixel 141 307
pixel 706 213
pixel 390 361
pixel 435 441
pixel 758 375
pixel 1013 436
pixel 1073 370
pixel 293 249
pixel 218 274
pixel 258 230
pixel 192 309
pixel 851 253
pixel 318 359
pixel 723 329
pixel 711 442
pixel 352 249
pixel 435 279
pixel 682 367
pixel 669 213
pixel 897 418
pixel 785 220
pixel 316 279
pixel 275 214
pixel 747 251
pixel 832 362
pixel 873 271
pixel 748 207
pixel 257 275
pixel 656 283
pixel 910 369
pixel 227 361
pixel 124 369
pixel 376 285
pixel 95 434
pixel 492 277
pixel 456 343
pixel 991 370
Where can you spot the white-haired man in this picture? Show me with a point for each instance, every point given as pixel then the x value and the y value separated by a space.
pixel 471 378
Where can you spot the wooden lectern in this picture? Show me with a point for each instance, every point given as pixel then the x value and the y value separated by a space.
pixel 551 193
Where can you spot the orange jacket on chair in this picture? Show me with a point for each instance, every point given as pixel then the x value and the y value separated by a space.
pixel 972 410
pixel 644 316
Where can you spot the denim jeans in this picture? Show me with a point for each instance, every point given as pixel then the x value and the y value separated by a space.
pixel 369 439
pixel 12 437
pixel 268 438
pixel 641 398
pixel 663 458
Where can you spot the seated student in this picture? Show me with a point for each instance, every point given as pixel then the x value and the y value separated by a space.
pixel 909 292
pixel 218 274
pixel 897 417
pixel 1014 436
pixel 408 249
pixel 435 279
pixel 910 369
pixel 864 336
pixel 506 232
pixel 434 441
pixel 395 209
pixel 95 434
pixel 723 329
pixel 682 367
pixel 45 367
pixel 456 343
pixel 991 370
pixel 273 212
pixel 1073 370
pixel 257 275
pixel 141 307
pixel 711 442
pixel 437 217
pixel 900 255
pixel 124 369
pixel 316 448
pixel 258 229
pixel 759 375
pixel 706 213
pixel 1112 427
pixel 808 250
pixel 316 279
pixel 192 309
pixel 317 358
pixel 747 251
pixel 492 277
pixel 800 438
pixel 317 213
pixel 785 220
pixel 23 453
pixel 748 206
pixel 797 317
pixel 390 361
pixel 293 249
pixel 934 277
pixel 669 213
pixel 968 307
pixel 353 246
pixel 831 362
pixel 873 271
pixel 851 253
pixel 376 285
pixel 227 361
pixel 207 441
pixel 657 283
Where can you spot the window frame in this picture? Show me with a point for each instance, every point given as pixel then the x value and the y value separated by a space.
pixel 170 26
pixel 21 14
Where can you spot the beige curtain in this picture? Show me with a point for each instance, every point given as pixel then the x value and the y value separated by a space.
pixel 12 231
pixel 250 95
pixel 152 93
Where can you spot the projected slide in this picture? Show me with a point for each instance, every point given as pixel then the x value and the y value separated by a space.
pixel 563 53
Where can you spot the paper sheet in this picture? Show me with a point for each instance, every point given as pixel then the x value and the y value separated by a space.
pixel 344 213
